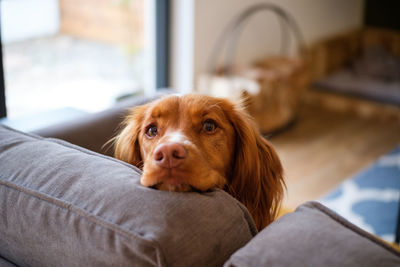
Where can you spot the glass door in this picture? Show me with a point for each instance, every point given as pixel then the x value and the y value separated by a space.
pixel 74 55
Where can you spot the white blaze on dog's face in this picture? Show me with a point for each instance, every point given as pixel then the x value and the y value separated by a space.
pixel 186 143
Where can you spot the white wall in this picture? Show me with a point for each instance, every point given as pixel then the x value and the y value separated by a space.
pixel 317 19
pixel 24 19
pixel 182 45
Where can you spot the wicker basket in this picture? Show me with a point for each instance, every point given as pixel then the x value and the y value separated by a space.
pixel 270 88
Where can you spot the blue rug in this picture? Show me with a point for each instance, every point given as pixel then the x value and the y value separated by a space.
pixel 370 200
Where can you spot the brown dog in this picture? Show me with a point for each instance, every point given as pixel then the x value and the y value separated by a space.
pixel 196 142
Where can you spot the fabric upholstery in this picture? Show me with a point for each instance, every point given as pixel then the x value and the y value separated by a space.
pixel 313 235
pixel 92 131
pixel 62 205
pixel 6 263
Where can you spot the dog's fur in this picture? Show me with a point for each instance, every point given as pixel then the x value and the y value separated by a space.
pixel 196 142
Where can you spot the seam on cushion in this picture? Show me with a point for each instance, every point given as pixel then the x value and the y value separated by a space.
pixel 245 213
pixel 86 215
pixel 237 260
pixel 91 153
pixel 249 220
pixel 72 146
pixel 349 225
pixel 22 133
pixel 8 261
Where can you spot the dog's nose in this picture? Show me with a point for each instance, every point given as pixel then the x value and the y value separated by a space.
pixel 169 155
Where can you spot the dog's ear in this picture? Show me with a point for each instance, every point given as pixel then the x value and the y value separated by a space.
pixel 127 146
pixel 257 176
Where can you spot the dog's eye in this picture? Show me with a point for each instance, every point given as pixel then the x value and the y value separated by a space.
pixel 152 131
pixel 209 126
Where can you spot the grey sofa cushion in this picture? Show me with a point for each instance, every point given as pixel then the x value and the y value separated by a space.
pixel 6 263
pixel 62 205
pixel 313 235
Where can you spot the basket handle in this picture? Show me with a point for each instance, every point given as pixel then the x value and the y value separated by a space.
pixel 233 29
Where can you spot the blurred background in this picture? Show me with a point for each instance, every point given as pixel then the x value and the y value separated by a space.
pixel 62 53
pixel 64 59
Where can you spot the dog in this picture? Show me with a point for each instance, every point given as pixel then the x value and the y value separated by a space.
pixel 197 142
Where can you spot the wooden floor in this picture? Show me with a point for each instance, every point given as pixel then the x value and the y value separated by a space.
pixel 323 148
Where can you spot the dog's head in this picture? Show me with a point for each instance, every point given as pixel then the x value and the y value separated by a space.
pixel 197 142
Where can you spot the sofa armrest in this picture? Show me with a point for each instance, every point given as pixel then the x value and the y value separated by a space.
pixel 92 131
pixel 314 235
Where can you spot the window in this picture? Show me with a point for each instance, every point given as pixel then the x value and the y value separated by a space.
pixel 80 55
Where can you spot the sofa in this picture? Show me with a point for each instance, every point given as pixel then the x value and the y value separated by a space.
pixel 65 201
